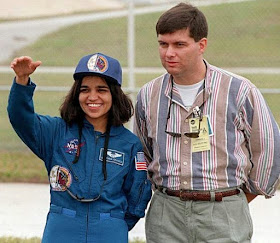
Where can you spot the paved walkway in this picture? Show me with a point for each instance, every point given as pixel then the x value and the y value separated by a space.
pixel 23 210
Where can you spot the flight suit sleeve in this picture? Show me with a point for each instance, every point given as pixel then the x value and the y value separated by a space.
pixel 34 130
pixel 137 188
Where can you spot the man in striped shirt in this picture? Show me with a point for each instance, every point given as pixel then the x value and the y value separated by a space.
pixel 211 141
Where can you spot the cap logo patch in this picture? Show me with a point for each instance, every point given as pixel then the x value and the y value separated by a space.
pixel 60 178
pixel 97 63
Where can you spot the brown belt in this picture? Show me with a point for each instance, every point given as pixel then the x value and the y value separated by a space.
pixel 185 195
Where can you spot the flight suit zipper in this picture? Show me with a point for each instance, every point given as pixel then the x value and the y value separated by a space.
pixel 87 222
pixel 96 140
pixel 94 156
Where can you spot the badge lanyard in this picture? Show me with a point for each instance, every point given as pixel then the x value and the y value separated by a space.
pixel 197 113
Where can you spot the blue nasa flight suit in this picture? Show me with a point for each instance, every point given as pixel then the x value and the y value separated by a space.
pixel 126 191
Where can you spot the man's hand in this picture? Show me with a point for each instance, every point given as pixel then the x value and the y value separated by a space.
pixel 23 68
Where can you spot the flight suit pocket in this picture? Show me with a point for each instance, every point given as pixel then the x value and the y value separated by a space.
pixel 64 225
pixel 143 196
pixel 60 210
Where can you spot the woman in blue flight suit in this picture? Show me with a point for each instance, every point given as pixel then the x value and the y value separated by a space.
pixel 97 170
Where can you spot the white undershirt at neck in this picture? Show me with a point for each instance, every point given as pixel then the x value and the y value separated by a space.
pixel 188 92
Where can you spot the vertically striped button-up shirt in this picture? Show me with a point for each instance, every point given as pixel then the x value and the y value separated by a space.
pixel 244 148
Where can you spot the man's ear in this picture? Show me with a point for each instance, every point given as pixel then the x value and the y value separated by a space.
pixel 202 45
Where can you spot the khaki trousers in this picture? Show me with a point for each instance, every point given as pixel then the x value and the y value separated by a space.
pixel 170 220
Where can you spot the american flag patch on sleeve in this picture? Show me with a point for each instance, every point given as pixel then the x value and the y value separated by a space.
pixel 140 161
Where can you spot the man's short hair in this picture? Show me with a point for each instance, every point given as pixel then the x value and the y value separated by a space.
pixel 183 16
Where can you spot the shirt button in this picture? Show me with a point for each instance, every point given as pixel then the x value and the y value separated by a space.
pixel 185 163
pixel 185 183
pixel 186 142
pixel 186 121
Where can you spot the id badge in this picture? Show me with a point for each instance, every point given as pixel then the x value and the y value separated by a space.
pixel 202 143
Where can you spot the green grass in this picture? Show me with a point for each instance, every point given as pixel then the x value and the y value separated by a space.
pixel 17 163
pixel 240 34
pixel 38 240
pixel 19 240
pixel 49 79
pixel 45 103
pixel 22 166
pixel 246 36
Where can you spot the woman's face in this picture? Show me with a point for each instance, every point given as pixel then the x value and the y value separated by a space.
pixel 95 100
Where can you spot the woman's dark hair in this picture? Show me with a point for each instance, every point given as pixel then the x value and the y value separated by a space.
pixel 120 112
pixel 183 16
pixel 70 109
pixel 122 107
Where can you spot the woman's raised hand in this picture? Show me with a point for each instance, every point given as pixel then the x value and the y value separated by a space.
pixel 23 68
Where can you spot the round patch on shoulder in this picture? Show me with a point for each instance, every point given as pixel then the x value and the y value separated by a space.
pixel 60 178
pixel 98 63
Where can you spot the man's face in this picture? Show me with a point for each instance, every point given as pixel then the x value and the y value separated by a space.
pixel 179 53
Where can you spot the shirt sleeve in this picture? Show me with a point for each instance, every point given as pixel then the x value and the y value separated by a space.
pixel 140 128
pixel 262 134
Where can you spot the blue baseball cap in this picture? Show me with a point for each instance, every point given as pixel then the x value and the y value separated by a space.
pixel 98 64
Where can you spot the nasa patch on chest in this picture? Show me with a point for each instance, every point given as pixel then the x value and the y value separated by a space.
pixel 71 146
pixel 113 156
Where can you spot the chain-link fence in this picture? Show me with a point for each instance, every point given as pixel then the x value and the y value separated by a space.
pixel 244 37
